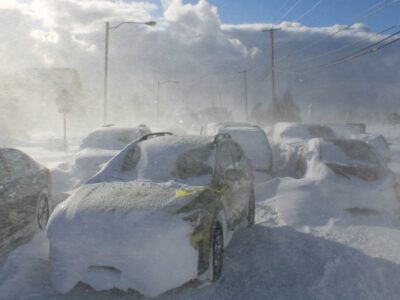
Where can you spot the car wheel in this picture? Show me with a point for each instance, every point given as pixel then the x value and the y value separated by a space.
pixel 252 209
pixel 217 253
pixel 42 211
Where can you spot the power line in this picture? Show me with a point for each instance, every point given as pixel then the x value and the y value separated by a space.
pixel 349 45
pixel 309 11
pixel 364 51
pixel 279 10
pixel 370 11
pixel 289 10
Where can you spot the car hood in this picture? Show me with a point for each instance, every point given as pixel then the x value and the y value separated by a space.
pixel 124 197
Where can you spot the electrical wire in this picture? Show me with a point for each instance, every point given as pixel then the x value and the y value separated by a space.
pixel 348 46
pixel 309 11
pixel 370 11
pixel 364 51
pixel 289 10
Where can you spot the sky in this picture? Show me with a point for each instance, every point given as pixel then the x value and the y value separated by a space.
pixel 324 13
pixel 203 45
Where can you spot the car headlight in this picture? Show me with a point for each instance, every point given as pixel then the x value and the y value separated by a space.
pixel 194 218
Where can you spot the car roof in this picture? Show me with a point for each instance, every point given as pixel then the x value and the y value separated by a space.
pixel 176 139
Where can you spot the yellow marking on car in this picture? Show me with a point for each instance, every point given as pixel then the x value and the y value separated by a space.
pixel 187 192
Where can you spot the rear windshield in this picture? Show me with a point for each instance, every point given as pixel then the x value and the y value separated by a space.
pixel 348 152
pixel 188 164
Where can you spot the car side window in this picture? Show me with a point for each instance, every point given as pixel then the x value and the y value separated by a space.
pixel 4 174
pixel 16 162
pixel 131 159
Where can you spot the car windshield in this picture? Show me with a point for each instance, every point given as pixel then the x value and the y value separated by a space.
pixel 348 152
pixel 188 163
pixel 110 139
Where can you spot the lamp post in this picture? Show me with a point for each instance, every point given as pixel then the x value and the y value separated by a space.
pixel 159 83
pixel 108 30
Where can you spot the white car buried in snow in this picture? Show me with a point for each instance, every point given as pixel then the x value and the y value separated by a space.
pixel 350 173
pixel 102 144
pixel 288 138
pixel 157 215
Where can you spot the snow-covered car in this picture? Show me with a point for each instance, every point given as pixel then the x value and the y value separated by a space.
pixel 288 138
pixel 102 144
pixel 253 141
pixel 352 172
pixel 25 188
pixel 379 143
pixel 161 211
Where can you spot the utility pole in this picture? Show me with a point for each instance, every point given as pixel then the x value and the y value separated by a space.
pixel 244 72
pixel 106 73
pixel 108 29
pixel 271 31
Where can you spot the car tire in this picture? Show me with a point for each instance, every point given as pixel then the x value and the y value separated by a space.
pixel 217 252
pixel 251 215
pixel 42 211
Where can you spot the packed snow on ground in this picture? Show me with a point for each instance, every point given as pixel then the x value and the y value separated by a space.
pixel 303 246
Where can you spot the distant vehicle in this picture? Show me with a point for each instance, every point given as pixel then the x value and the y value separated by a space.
pixel 289 137
pixel 251 138
pixel 161 212
pixel 102 144
pixel 25 188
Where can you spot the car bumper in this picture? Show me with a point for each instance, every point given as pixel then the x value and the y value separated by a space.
pixel 150 257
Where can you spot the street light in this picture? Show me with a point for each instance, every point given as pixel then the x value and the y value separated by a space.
pixel 159 83
pixel 108 30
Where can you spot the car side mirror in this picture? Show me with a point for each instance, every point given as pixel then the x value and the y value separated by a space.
pixel 233 174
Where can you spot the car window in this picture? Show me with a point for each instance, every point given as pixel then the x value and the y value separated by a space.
pixel 348 151
pixel 131 159
pixel 4 174
pixel 318 131
pixel 16 162
pixel 193 163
